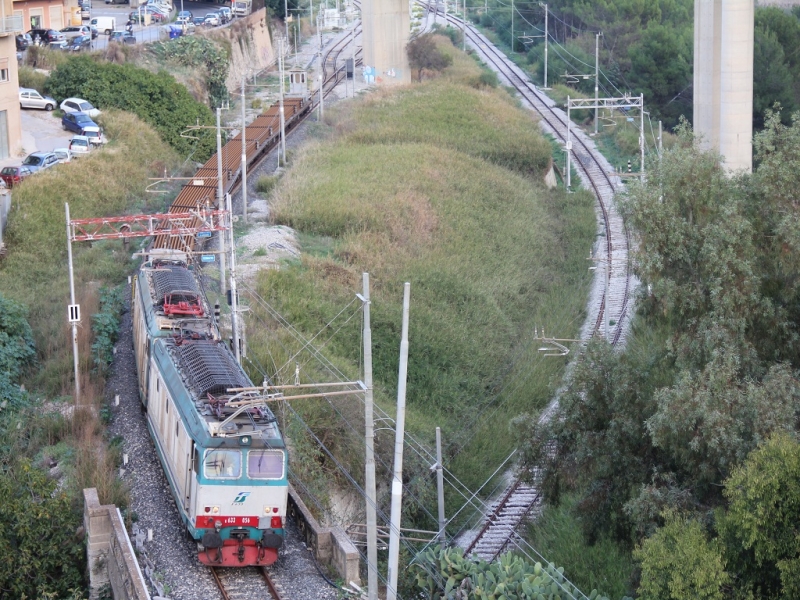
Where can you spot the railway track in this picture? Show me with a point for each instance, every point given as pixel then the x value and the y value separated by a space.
pixel 238 584
pixel 608 303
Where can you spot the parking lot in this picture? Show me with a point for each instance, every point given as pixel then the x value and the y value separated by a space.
pixel 144 34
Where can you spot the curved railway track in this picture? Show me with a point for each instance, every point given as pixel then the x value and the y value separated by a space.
pixel 609 302
pixel 229 582
pixel 261 136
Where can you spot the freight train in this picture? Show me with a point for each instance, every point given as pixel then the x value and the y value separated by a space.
pixel 218 441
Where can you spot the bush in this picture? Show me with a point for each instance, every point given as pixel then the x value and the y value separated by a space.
pixel 17 350
pixel 105 326
pixel 156 98
pixel 198 51
pixel 265 184
pixel 31 78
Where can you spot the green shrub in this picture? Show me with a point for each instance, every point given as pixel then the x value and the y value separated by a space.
pixel 17 350
pixel 199 51
pixel 156 98
pixel 266 183
pixel 31 78
pixel 105 326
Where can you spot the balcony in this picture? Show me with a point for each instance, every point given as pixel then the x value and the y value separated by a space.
pixel 10 24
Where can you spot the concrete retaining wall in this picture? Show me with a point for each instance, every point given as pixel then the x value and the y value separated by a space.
pixel 250 46
pixel 112 562
pixel 330 545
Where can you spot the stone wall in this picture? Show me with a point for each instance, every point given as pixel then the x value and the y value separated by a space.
pixel 112 562
pixel 331 545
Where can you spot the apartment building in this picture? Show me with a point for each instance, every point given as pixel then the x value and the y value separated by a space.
pixel 10 126
pixel 46 14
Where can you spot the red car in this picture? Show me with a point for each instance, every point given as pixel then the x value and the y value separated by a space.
pixel 13 175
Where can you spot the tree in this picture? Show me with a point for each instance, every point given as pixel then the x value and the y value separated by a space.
pixel 772 78
pixel 679 562
pixel 424 54
pixel 763 510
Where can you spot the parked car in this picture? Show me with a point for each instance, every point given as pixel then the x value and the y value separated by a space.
pixel 86 11
pixel 186 13
pixel 79 146
pixel 118 1
pixel 225 14
pixel 95 136
pixel 77 122
pixel 78 44
pixel 74 31
pixel 199 21
pixel 29 98
pixel 73 105
pixel 211 19
pixel 155 15
pixel 122 37
pixel 39 161
pixel 23 41
pixel 11 176
pixel 63 155
pixel 46 36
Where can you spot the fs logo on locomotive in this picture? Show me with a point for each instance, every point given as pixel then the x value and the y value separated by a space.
pixel 240 498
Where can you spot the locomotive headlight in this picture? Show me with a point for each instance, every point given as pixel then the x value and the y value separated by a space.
pixel 215 510
pixel 267 509
pixel 245 440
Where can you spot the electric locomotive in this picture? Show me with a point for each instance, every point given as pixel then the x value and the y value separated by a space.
pixel 217 439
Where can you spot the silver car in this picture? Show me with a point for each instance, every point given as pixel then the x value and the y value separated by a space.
pixel 29 98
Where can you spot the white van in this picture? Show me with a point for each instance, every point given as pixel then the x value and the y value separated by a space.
pixel 241 8
pixel 105 24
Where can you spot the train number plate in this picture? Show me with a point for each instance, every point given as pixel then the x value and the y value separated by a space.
pixel 207 521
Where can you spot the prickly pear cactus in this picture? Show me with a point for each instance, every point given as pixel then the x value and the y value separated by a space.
pixel 447 574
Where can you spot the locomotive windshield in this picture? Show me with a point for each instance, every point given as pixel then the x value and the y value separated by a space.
pixel 265 464
pixel 223 464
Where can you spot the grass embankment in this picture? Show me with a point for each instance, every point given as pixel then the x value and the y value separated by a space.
pixel 438 184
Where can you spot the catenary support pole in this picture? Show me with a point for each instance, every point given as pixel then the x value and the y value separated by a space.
pixel 512 26
pixel 281 111
pixel 223 284
pixel 397 479
pixel 641 138
pixel 234 300
pixel 464 26
pixel 440 488
pixel 244 164
pixel 596 79
pixel 660 140
pixel 369 436
pixel 569 146
pixel 74 323
pixel 545 46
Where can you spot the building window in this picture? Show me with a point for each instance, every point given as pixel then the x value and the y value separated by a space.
pixel 3 75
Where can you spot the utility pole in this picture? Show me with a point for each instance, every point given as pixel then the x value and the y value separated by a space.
pixel 285 18
pixel 397 480
pixel 596 78
pixel 369 436
pixel 440 488
pixel 73 311
pixel 244 168
pixel 234 299
pixel 223 284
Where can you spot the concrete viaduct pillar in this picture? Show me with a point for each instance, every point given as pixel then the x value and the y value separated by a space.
pixel 386 27
pixel 723 79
